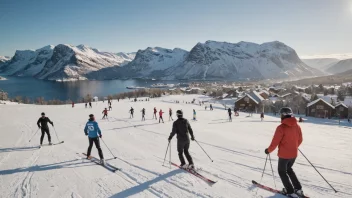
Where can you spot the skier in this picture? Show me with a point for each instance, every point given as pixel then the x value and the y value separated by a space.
pixel 43 121
pixel 143 114
pixel 154 115
pixel 182 128
pixel 211 107
pixel 236 112
pixel 262 116
pixel 161 115
pixel 170 114
pixel 194 115
pixel 90 104
pixel 105 112
pixel 288 137
pixel 85 105
pixel 131 112
pixel 73 104
pixel 93 132
pixel 230 114
pixel 110 108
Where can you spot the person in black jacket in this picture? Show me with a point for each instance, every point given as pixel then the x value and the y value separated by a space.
pixel 43 125
pixel 183 129
pixel 230 114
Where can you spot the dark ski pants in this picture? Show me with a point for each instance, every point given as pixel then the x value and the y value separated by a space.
pixel 45 130
pixel 154 115
pixel 286 174
pixel 161 118
pixel 230 117
pixel 183 146
pixel 170 117
pixel 131 115
pixel 105 116
pixel 143 117
pixel 97 145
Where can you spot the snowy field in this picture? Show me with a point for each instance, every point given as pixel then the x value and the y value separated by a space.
pixel 237 149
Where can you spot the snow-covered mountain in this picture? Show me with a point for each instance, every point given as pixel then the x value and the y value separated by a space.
pixel 320 63
pixel 221 60
pixel 3 60
pixel 27 62
pixel 151 62
pixel 341 66
pixel 214 60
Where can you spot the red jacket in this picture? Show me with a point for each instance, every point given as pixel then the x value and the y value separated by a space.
pixel 288 136
pixel 161 113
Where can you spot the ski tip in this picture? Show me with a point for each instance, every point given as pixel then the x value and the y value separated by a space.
pixel 254 182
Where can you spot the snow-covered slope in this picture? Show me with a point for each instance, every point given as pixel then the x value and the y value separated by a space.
pixel 237 149
pixel 73 62
pixel 320 63
pixel 341 66
pixel 151 62
pixel 221 60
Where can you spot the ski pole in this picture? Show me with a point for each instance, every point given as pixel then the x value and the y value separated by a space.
pixel 57 135
pixel 317 171
pixel 204 151
pixel 261 179
pixel 170 156
pixel 34 135
pixel 108 148
pixel 272 170
pixel 166 152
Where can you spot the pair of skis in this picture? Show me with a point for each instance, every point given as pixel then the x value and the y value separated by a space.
pixel 108 166
pixel 195 173
pixel 40 146
pixel 271 189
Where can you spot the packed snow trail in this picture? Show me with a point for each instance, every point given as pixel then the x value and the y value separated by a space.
pixel 237 149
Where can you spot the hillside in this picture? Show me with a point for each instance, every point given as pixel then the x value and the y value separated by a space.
pixel 237 149
pixel 320 63
pixel 340 67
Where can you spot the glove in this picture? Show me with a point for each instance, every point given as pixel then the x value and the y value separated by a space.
pixel 169 139
pixel 86 134
pixel 100 136
pixel 52 124
pixel 192 138
pixel 39 127
pixel 266 151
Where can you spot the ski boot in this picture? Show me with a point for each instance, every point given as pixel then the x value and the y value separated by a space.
pixel 292 195
pixel 299 193
pixel 50 143
pixel 191 166
pixel 89 157
pixel 184 166
pixel 102 162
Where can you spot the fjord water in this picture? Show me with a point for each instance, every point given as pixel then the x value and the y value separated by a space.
pixel 34 88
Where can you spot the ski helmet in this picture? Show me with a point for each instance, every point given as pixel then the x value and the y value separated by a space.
pixel 286 111
pixel 43 114
pixel 91 115
pixel 179 113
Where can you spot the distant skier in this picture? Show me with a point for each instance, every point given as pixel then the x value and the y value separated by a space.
pixel 194 115
pixel 93 132
pixel 205 107
pixel 110 108
pixel 143 114
pixel 170 114
pixel 105 112
pixel 230 114
pixel 236 112
pixel 211 107
pixel 155 111
pixel 262 116
pixel 90 104
pixel 131 112
pixel 301 119
pixel 183 129
pixel 43 125
pixel 161 116
pixel 85 105
pixel 288 136
pixel 73 104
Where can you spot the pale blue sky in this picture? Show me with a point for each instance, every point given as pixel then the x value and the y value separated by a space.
pixel 309 26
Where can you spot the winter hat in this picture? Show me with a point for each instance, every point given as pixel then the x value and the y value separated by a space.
pixel 91 115
pixel 43 114
pixel 286 111
pixel 179 113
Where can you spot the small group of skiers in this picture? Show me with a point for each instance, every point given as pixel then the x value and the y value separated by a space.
pixel 288 137
pixel 90 105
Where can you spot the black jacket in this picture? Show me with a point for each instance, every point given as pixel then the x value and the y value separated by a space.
pixel 182 128
pixel 44 122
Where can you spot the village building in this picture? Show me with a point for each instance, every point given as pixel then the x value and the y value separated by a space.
pixel 341 111
pixel 320 108
pixel 249 102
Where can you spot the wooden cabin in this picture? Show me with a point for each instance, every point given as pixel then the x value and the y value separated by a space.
pixel 320 108
pixel 341 111
pixel 249 102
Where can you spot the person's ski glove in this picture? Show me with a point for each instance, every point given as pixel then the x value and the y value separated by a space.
pixel 100 136
pixel 266 151
pixel 169 139
pixel 39 127
pixel 52 124
pixel 192 138
pixel 86 134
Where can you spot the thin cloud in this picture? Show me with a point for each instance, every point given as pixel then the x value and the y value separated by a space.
pixel 337 56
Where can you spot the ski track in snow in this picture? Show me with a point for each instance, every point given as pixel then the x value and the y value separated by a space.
pixel 236 147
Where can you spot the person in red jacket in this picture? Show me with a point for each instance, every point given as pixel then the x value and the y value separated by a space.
pixel 161 116
pixel 105 112
pixel 288 137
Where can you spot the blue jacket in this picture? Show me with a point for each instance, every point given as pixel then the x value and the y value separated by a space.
pixel 92 129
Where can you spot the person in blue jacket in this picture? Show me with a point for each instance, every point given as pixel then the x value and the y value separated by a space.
pixel 93 132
